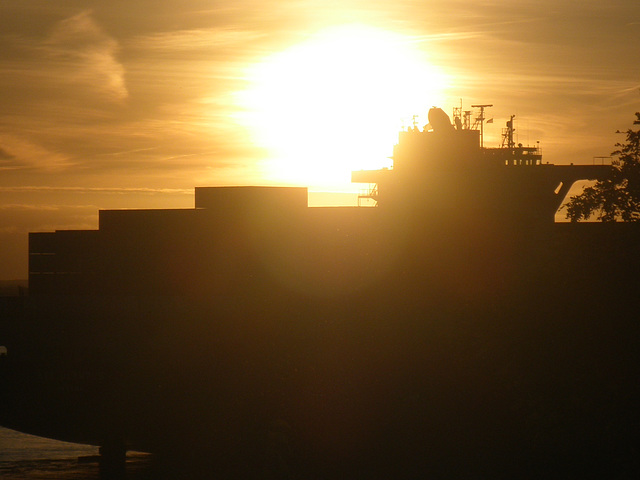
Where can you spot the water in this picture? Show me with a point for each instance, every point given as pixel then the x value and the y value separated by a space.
pixel 16 447
pixel 26 457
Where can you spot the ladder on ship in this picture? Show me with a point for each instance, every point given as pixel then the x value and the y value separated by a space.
pixel 370 194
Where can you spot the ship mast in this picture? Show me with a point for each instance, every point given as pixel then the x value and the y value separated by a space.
pixel 480 119
pixel 507 134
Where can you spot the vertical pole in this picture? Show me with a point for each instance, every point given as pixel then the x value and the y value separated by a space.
pixel 482 126
pixel 113 458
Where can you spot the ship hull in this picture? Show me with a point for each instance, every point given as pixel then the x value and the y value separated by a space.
pixel 492 354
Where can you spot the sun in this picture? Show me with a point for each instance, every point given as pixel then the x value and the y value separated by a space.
pixel 336 102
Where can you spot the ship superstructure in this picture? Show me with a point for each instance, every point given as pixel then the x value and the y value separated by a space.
pixel 445 168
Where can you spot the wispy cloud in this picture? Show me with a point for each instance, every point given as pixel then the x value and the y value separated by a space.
pixel 4 155
pixel 19 152
pixel 59 88
pixel 9 161
pixel 86 55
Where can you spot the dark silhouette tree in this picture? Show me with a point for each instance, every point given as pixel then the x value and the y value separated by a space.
pixel 617 197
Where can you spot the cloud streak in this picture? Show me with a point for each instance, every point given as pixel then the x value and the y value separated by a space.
pixel 207 40
pixel 106 190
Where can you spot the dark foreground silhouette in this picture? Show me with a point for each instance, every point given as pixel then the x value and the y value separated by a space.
pixel 448 333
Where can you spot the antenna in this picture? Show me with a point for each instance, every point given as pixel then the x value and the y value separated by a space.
pixel 480 119
pixel 457 116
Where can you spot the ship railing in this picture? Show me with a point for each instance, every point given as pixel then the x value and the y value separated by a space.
pixel 602 160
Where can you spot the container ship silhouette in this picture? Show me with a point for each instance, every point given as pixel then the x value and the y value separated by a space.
pixel 454 330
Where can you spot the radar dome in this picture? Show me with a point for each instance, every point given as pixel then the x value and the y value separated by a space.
pixel 440 121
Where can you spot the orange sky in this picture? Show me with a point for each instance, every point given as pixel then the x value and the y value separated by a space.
pixel 130 104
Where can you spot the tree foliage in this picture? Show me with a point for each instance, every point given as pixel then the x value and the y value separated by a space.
pixel 617 197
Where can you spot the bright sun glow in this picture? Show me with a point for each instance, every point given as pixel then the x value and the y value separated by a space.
pixel 336 102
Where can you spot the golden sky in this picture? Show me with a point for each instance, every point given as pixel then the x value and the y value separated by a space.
pixel 133 103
